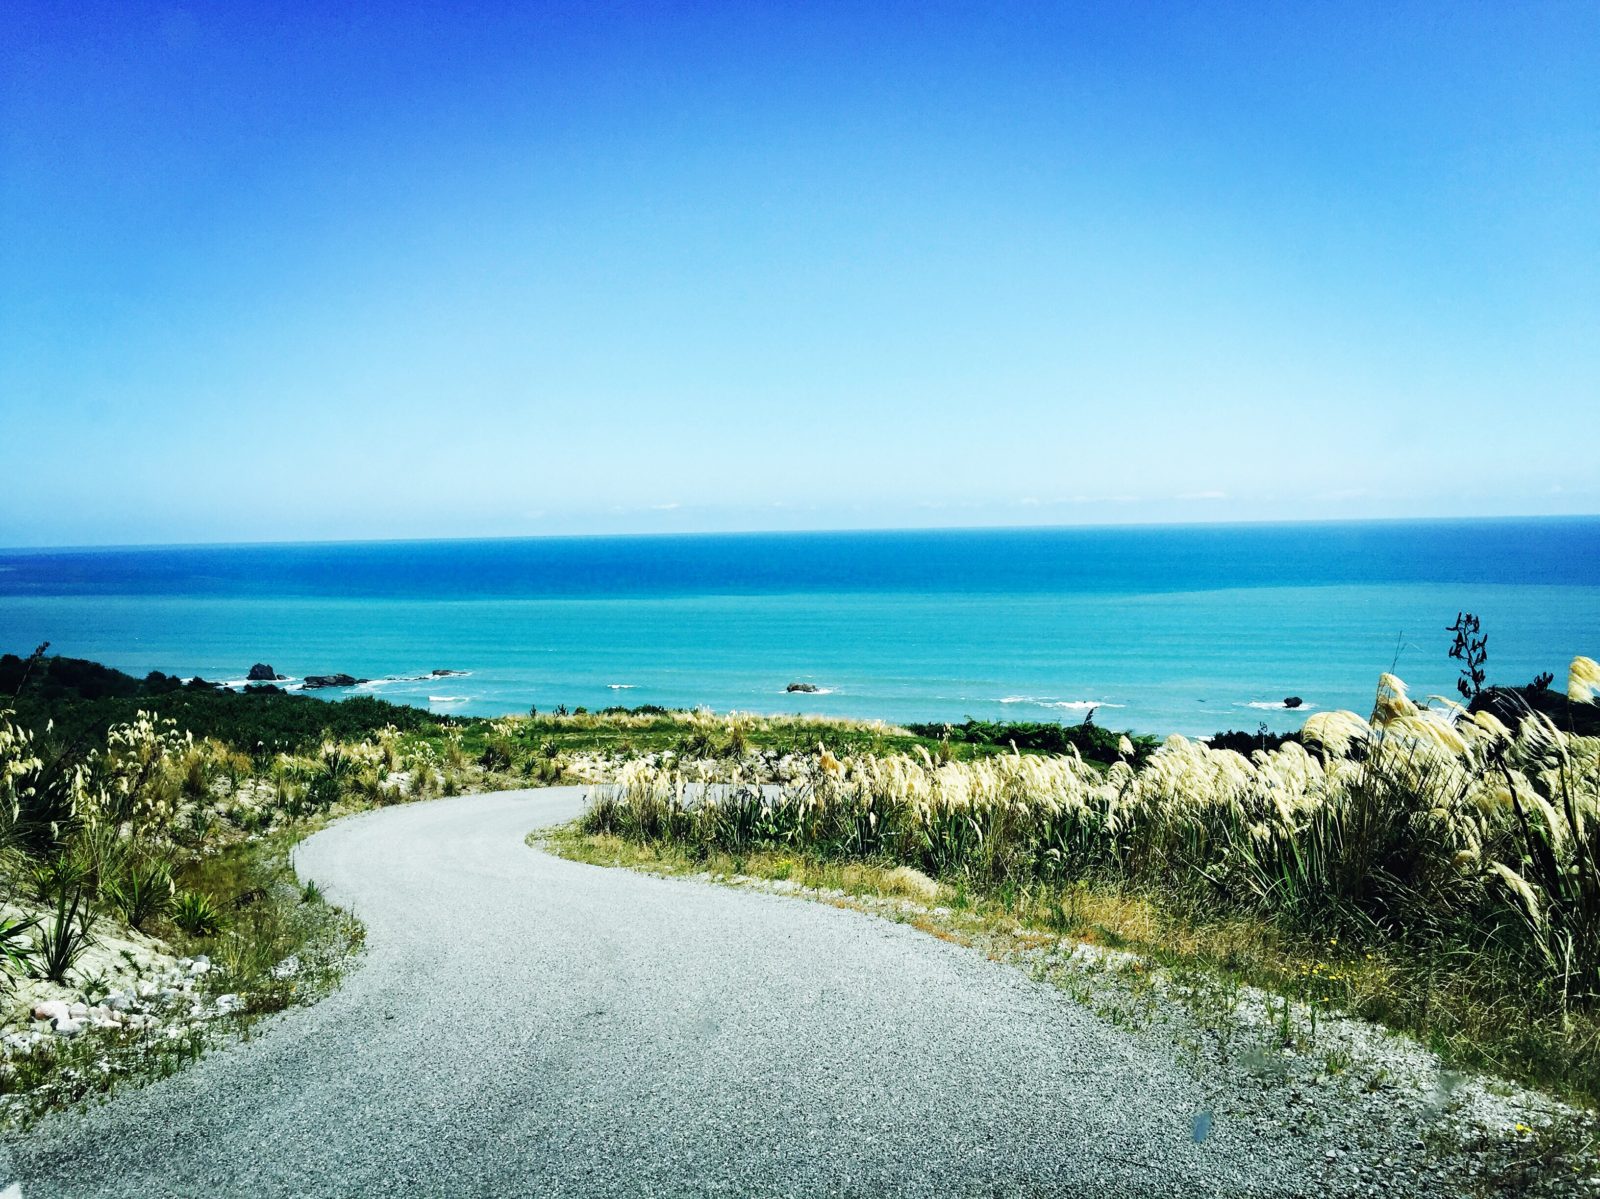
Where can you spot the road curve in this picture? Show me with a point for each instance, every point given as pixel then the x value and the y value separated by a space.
pixel 523 1025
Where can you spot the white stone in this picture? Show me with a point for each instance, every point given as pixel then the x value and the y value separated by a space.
pixel 53 1010
pixel 68 1028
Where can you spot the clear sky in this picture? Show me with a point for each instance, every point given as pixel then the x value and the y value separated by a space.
pixel 285 272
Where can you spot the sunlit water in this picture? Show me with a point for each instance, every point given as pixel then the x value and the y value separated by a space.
pixel 1163 630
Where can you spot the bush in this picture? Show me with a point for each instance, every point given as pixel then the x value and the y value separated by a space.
pixel 1093 742
pixel 196 914
pixel 143 892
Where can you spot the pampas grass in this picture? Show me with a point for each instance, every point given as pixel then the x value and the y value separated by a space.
pixel 1418 822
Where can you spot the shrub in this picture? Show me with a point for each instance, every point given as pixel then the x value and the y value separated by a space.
pixel 143 891
pixel 196 914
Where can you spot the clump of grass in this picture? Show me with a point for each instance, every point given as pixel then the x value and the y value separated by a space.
pixel 196 915
pixel 63 936
pixel 143 891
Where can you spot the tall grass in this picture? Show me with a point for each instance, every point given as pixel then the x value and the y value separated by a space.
pixel 107 834
pixel 1426 825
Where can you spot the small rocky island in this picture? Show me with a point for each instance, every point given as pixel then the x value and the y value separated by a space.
pixel 314 681
pixel 261 672
pixel 807 688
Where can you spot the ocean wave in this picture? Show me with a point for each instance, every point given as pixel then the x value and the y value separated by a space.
pixel 1276 706
pixel 1069 705
pixel 447 699
pixel 621 686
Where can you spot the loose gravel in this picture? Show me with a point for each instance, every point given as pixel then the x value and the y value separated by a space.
pixel 525 1025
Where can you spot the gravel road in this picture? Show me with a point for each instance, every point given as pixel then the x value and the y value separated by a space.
pixel 523 1025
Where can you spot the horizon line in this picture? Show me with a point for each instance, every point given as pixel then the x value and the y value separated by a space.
pixel 658 535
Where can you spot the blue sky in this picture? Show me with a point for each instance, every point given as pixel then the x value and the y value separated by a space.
pixel 483 269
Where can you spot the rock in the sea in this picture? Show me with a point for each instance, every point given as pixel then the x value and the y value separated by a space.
pixel 1294 701
pixel 262 673
pixel 446 674
pixel 808 688
pixel 313 681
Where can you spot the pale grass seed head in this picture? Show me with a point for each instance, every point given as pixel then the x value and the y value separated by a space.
pixel 1583 680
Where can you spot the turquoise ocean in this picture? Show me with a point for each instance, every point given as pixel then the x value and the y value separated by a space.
pixel 1189 629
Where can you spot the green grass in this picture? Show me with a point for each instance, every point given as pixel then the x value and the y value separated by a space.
pixel 265 917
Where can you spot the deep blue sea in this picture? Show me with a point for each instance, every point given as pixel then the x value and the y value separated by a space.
pixel 1171 629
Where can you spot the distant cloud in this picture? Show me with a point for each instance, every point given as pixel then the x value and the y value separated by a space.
pixel 665 507
pixel 1203 495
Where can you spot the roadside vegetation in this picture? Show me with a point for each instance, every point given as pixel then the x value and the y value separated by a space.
pixel 1430 867
pixel 146 827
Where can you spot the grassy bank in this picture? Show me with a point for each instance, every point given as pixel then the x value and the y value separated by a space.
pixel 1429 869
pixel 273 942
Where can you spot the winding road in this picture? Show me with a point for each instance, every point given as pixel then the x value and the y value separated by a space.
pixel 524 1025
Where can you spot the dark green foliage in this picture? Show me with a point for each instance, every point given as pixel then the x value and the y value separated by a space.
pixel 1513 705
pixel 321 794
pixel 1096 744
pixel 498 753
pixel 1248 743
pixel 142 891
pixel 84 699
pixel 64 935
pixel 1472 650
pixel 58 876
pixel 16 953
pixel 196 914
